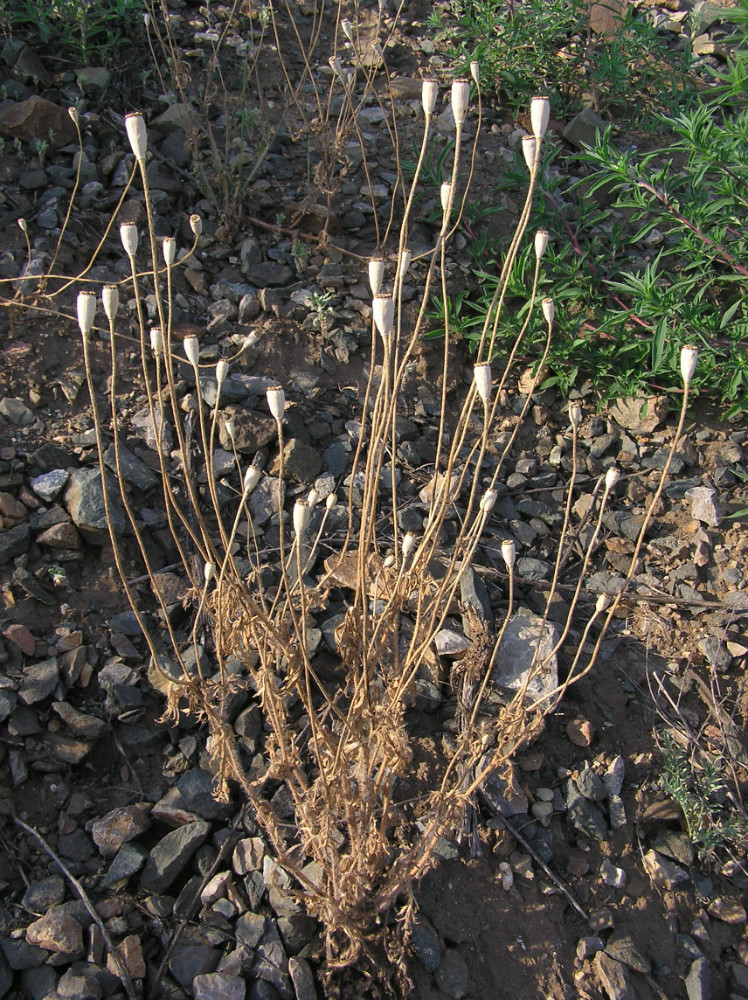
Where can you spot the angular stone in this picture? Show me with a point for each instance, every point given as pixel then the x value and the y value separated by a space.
pixel 301 462
pixel 171 856
pixel 623 948
pixel 84 500
pixel 641 414
pixel 452 976
pixel 79 723
pixel 118 827
pixel 613 977
pixel 37 118
pixel 131 955
pixel 699 980
pixel 190 960
pixel 40 896
pixel 663 873
pixel 583 815
pixel 38 681
pixel 528 642
pixel 302 979
pixel 218 986
pixel 56 931
pixel 704 506
pixel 197 789
pixel 14 542
pixel 128 862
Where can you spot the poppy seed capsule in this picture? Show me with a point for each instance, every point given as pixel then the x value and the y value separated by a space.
pixel 376 274
pixel 429 94
pixel 128 233
pixel 196 224
pixel 251 477
pixel 475 72
pixel 192 350
pixel 529 146
pixel 408 544
pixel 110 301
pixel 383 309
pixel 347 29
pixel 488 501
pixel 549 310
pixel 230 428
pixel 540 113
pixel 445 195
pixel 137 135
pixel 222 370
pixel 169 250
pixel 86 311
pixel 276 399
pixel 602 603
pixel 405 258
pixel 460 98
pixel 313 497
pixel 209 571
pixel 611 477
pixel 575 414
pixel 22 226
pixel 157 340
pixel 74 116
pixel 508 553
pixel 541 242
pixel 332 499
pixel 482 377
pixel 336 66
pixel 300 517
pixel 689 355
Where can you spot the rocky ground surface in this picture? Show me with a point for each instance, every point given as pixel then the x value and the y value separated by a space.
pixel 587 882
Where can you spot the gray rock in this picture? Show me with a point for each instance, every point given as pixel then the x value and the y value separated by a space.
pixel 84 500
pixel 148 430
pixel 190 960
pixel 623 948
pixel 613 977
pixel 583 128
pixel 197 789
pixel 699 980
pixel 57 931
pixel 42 894
pixel 6 977
pixel 134 472
pixel 302 979
pixel 715 652
pixel 704 506
pixel 272 961
pixel 269 275
pixel 49 484
pixel 473 594
pixel 218 986
pixel 76 846
pixel 664 874
pixel 613 777
pixel 252 431
pixel 16 412
pixel 617 812
pixel 128 862
pixel 336 458
pixel 527 643
pixel 38 681
pixel 38 983
pixel 590 785
pixel 589 946
pixel 93 80
pixel 612 875
pixel 171 856
pixel 300 462
pixel 424 942
pixel 250 928
pixel 19 954
pixel 582 815
pixel 452 976
pixel 14 542
pixel 83 985
pixel 296 931
pixel 533 569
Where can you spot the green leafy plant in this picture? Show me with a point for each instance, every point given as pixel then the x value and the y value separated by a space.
pixel 551 44
pixel 83 31
pixel 699 789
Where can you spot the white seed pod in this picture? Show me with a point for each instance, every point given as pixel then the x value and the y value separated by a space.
pixel 408 544
pixel 332 499
pixel 689 355
pixel 376 274
pixel 336 66
pixel 488 501
pixel 482 377
pixel 196 224
pixel 157 339
pixel 250 340
pixel 300 517
pixel 230 428
pixel 169 250
pixel 475 72
pixel 460 97
pixel 405 260
pixel 389 562
pixel 222 371
pixel 549 310
pixel 445 194
pixel 86 311
pixel 251 477
pixel 382 4
pixel 147 19
pixel 529 149
pixel 429 94
pixel 192 350
pixel 540 113
pixel 209 571
pixel 575 414
pixel 137 135
pixel 508 553
pixel 128 233
pixel 602 603
pixel 611 477
pixel 74 116
pixel 383 309
pixel 541 242
pixel 276 398
pixel 110 301
pixel 22 226
pixel 313 497
pixel 347 28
